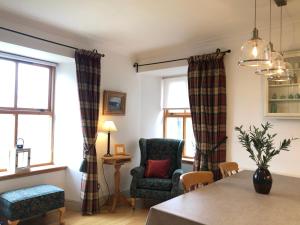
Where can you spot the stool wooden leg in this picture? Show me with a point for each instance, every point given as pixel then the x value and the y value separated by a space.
pixel 15 222
pixel 133 200
pixel 61 215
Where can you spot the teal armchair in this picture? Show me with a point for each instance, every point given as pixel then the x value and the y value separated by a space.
pixel 157 188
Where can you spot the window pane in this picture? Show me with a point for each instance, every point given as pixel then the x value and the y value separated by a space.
pixel 7 130
pixel 174 128
pixel 190 139
pixel 7 83
pixel 36 132
pixel 33 86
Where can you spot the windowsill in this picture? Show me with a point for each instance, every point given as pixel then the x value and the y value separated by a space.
pixel 187 160
pixel 33 171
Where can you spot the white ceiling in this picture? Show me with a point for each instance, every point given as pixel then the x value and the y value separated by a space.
pixel 138 26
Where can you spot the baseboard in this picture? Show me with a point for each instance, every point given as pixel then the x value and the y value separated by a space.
pixel 76 205
pixel 73 205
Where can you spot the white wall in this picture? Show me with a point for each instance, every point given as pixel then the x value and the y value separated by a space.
pixel 244 96
pixel 68 139
pixel 118 75
pixel 55 178
pixel 151 112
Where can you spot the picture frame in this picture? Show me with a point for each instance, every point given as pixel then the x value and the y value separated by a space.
pixel 114 103
pixel 120 149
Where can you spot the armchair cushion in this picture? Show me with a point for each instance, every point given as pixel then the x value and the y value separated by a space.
pixel 155 184
pixel 158 168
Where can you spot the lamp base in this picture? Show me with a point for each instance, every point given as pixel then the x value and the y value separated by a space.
pixel 108 155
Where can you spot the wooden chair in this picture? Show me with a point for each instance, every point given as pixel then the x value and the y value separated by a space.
pixel 228 168
pixel 193 179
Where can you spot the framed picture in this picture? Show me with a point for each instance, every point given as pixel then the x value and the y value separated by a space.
pixel 120 149
pixel 114 103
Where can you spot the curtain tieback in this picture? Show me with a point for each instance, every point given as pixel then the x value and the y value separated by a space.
pixel 87 150
pixel 84 164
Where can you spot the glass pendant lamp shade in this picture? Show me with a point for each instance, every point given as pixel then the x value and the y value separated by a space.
pixel 283 73
pixel 284 70
pixel 255 52
pixel 277 60
pixel 274 65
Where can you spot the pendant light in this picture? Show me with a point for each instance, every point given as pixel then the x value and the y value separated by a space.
pixel 284 70
pixel 276 61
pixel 255 52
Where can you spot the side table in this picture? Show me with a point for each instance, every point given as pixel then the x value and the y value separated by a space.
pixel 117 161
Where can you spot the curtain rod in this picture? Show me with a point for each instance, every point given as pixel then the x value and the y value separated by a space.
pixel 136 65
pixel 41 39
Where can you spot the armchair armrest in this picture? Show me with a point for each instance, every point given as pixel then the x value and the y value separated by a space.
pixel 176 185
pixel 176 176
pixel 138 172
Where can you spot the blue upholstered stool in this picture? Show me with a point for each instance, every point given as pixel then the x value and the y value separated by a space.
pixel 32 201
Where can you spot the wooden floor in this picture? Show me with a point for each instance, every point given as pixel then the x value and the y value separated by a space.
pixel 124 215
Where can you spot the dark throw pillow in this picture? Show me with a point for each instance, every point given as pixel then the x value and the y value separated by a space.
pixel 158 168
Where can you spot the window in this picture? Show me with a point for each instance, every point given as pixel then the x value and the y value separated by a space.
pixel 26 109
pixel 178 125
pixel 177 115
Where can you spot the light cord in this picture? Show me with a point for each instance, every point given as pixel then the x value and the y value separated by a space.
pixel 270 31
pixel 255 13
pixel 107 187
pixel 280 46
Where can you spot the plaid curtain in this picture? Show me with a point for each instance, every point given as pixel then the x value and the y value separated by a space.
pixel 207 95
pixel 88 78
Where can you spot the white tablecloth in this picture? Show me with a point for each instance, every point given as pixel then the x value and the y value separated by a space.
pixel 233 201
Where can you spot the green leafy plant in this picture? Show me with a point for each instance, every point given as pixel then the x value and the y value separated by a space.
pixel 260 144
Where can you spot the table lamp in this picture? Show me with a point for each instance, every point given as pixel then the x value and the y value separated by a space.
pixel 108 126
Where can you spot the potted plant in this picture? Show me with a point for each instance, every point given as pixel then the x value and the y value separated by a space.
pixel 260 145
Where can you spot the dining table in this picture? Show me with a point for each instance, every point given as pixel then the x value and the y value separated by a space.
pixel 233 201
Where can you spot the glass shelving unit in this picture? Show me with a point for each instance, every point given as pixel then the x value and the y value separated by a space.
pixel 283 98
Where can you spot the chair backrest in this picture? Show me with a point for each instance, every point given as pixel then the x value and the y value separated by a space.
pixel 228 168
pixel 161 148
pixel 196 178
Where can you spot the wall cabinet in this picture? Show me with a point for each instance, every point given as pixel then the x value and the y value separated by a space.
pixel 282 99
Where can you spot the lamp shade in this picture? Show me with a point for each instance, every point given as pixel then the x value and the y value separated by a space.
pixel 274 66
pixel 255 52
pixel 109 126
pixel 284 73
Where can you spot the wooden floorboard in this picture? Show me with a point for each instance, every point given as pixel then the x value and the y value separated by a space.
pixel 123 216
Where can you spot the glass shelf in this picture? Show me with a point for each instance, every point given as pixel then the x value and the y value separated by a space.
pixel 284 85
pixel 278 104
pixel 284 100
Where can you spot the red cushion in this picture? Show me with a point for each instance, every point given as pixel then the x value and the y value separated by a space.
pixel 158 168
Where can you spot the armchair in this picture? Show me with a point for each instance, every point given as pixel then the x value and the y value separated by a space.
pixel 157 188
